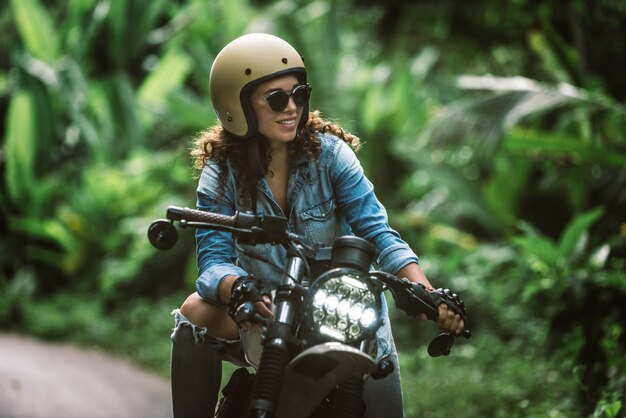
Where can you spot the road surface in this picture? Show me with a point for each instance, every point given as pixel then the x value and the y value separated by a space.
pixel 43 380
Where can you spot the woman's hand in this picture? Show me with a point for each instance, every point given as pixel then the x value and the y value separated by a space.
pixel 264 307
pixel 448 320
pixel 246 290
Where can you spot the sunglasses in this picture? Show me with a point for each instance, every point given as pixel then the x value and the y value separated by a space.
pixel 279 99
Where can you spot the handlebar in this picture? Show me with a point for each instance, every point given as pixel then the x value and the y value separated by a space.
pixel 247 227
pixel 238 220
pixel 254 229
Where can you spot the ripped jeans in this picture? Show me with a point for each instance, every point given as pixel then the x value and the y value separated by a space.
pixel 196 372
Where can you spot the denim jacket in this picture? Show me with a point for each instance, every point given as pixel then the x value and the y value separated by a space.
pixel 328 196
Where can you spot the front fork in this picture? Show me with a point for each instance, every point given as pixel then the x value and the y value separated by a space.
pixel 349 401
pixel 268 383
pixel 349 398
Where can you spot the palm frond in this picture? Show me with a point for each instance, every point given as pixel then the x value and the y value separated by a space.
pixel 504 102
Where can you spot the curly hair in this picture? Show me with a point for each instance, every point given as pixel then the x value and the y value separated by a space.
pixel 217 145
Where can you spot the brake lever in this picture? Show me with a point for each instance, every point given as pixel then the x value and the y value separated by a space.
pixel 414 299
pixel 441 345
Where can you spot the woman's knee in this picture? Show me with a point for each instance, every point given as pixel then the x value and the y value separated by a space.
pixel 213 318
pixel 198 311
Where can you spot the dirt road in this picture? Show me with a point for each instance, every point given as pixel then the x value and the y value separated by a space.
pixel 42 380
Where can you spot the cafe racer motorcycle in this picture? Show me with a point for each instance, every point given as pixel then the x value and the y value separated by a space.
pixel 312 357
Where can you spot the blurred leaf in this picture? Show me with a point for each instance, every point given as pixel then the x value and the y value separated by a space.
pixel 20 146
pixel 203 57
pixel 50 230
pixel 188 111
pixel 532 143
pixel 145 13
pixel 599 257
pixel 63 314
pixel 37 29
pixel 560 59
pixel 424 62
pixel 235 17
pixel 124 106
pixel 75 96
pixel 168 76
pixel 102 113
pixel 453 236
pixel 127 26
pixel 609 406
pixel 375 106
pixel 482 121
pixel 83 18
pixel 540 44
pixel 20 289
pixel 502 190
pixel 4 84
pixel 575 230
pixel 537 248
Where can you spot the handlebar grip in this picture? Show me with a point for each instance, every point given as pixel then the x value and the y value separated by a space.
pixel 176 213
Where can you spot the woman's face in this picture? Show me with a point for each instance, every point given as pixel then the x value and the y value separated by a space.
pixel 278 127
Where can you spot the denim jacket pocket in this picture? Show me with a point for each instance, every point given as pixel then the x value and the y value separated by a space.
pixel 319 222
pixel 319 212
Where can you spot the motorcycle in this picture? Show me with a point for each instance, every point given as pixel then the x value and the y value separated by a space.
pixel 312 358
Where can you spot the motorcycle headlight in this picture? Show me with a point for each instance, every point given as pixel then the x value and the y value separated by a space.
pixel 343 305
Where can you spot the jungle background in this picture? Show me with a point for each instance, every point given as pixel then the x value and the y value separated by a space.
pixel 494 134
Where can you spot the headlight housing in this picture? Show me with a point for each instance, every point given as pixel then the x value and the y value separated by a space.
pixel 343 305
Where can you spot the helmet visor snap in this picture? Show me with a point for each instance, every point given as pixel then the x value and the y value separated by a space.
pixel 279 99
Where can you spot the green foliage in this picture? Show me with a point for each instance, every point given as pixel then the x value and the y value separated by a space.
pixel 20 144
pixel 553 261
pixel 36 28
pixel 505 386
pixel 609 406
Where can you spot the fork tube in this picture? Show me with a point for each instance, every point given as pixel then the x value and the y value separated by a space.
pixel 295 268
pixel 366 345
pixel 284 306
pixel 275 357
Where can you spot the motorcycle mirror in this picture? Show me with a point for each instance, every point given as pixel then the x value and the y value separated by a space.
pixel 441 345
pixel 162 234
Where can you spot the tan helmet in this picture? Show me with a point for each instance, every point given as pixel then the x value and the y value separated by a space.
pixel 242 65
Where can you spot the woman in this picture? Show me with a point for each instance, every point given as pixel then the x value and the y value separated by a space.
pixel 271 156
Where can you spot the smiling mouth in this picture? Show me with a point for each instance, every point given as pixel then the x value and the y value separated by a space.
pixel 287 122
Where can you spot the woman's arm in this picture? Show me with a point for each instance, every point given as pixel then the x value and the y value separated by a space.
pixel 355 198
pixel 368 219
pixel 215 249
